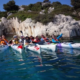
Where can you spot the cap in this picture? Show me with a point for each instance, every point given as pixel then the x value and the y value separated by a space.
pixel 15 36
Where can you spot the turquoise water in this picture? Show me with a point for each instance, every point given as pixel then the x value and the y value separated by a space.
pixel 33 66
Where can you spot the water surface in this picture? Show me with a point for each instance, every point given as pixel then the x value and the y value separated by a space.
pixel 45 66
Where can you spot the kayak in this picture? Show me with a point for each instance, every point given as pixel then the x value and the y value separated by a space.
pixel 3 48
pixel 71 48
pixel 33 48
pixel 61 47
pixel 54 47
pixel 69 45
pixel 18 48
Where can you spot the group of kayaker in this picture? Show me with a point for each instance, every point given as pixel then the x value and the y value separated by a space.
pixel 31 39
pixel 27 40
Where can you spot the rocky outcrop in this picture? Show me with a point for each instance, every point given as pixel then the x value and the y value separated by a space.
pixel 21 8
pixel 61 24
pixel 50 9
pixel 42 12
pixel 45 3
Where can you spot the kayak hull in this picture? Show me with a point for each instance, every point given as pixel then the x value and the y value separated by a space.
pixel 58 47
pixel 3 48
pixel 35 49
pixel 16 47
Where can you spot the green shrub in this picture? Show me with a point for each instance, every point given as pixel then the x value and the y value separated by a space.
pixel 46 6
pixel 75 4
pixel 3 14
pixel 11 6
pixel 34 7
pixel 23 15
pixel 55 4
pixel 44 18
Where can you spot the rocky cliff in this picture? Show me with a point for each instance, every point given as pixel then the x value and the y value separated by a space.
pixel 61 24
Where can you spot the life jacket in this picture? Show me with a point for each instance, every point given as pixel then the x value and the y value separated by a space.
pixel 3 42
pixel 32 39
pixel 37 40
pixel 16 41
pixel 55 39
pixel 45 39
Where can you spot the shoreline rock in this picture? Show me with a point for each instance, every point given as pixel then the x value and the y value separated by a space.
pixel 61 24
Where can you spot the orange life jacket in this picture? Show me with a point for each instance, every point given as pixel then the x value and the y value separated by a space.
pixel 3 42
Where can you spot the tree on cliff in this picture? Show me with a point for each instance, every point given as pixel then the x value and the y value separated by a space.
pixel 56 3
pixel 46 1
pixel 11 6
pixel 75 4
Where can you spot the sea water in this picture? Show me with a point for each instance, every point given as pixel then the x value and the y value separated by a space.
pixel 47 65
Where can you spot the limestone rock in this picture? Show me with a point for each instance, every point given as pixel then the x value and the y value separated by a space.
pixel 62 24
pixel 42 12
pixel 45 3
pixel 29 11
pixel 50 9
pixel 21 8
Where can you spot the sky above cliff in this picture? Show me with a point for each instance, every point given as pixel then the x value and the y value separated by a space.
pixel 27 2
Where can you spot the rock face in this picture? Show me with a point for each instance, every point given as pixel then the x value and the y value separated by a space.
pixel 21 8
pixel 61 24
pixel 50 9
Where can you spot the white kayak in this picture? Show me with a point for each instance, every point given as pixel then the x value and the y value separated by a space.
pixel 3 48
pixel 61 47
pixel 33 48
pixel 17 48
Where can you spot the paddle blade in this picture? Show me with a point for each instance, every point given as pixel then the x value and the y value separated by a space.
pixel 59 36
pixel 21 32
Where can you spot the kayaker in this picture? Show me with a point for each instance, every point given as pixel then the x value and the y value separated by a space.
pixel 54 39
pixel 36 40
pixel 31 39
pixel 44 38
pixel 3 38
pixel 27 40
pixel 21 40
pixel 2 42
pixel 15 39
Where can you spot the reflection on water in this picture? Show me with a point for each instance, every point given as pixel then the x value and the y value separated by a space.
pixel 46 65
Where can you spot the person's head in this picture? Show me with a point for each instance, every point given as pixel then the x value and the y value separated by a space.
pixel 27 37
pixel 42 36
pixel 15 37
pixel 53 36
pixel 31 37
pixel 37 37
pixel 3 37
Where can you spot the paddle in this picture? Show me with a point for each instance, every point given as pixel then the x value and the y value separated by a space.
pixel 54 41
pixel 21 32
pixel 59 36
